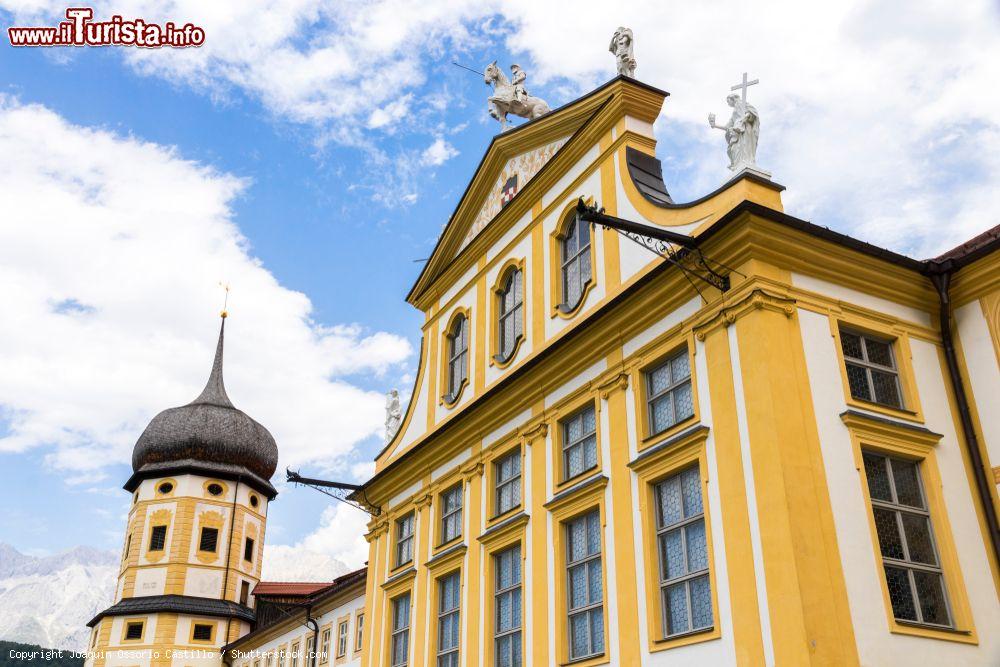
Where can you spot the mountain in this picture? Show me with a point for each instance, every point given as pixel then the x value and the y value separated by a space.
pixel 48 600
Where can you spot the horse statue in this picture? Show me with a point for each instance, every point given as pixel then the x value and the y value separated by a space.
pixel 510 97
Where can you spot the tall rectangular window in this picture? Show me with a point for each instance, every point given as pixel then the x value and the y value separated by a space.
pixel 244 592
pixel 507 475
pixel 576 269
pixel 585 586
pixel 295 655
pixel 579 442
pixel 359 632
pixel 450 593
pixel 458 355
pixel 133 631
pixel 209 539
pixel 906 540
pixel 685 591
pixel 342 639
pixel 157 538
pixel 507 608
pixel 871 369
pixel 324 646
pixel 400 642
pixel 248 550
pixel 509 307
pixel 451 514
pixel 668 393
pixel 404 540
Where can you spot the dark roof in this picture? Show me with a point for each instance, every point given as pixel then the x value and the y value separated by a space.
pixel 647 174
pixel 973 248
pixel 290 588
pixel 182 604
pixel 210 430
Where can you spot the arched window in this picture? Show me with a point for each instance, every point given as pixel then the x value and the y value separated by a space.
pixel 458 356
pixel 576 269
pixel 510 321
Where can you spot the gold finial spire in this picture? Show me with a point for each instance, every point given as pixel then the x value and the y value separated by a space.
pixel 225 302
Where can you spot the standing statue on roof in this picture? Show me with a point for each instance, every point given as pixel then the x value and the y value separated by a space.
pixel 622 47
pixel 511 96
pixel 393 414
pixel 742 130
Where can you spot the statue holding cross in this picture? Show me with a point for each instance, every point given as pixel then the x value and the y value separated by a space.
pixel 742 130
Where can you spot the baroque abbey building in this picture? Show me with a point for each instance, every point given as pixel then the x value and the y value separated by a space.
pixel 642 433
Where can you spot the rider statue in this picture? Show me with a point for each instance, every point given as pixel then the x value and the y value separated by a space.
pixel 510 95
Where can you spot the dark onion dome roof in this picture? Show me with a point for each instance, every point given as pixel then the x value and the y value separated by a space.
pixel 209 434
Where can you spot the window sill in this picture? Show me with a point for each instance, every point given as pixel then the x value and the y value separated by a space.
pixel 399 574
pixel 915 629
pixel 566 311
pixel 685 639
pixel 599 659
pixel 451 400
pixel 881 408
pixel 501 362
pixel 656 438
pixel 569 482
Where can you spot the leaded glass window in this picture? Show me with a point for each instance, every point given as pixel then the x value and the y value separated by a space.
pixel 507 608
pixel 510 323
pixel 906 540
pixel 450 593
pixel 585 586
pixel 458 355
pixel 507 473
pixel 576 269
pixel 404 540
pixel 400 642
pixel 685 592
pixel 158 538
pixel 871 369
pixel 668 388
pixel 451 513
pixel 579 442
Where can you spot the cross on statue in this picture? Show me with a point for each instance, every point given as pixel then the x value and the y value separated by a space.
pixel 744 85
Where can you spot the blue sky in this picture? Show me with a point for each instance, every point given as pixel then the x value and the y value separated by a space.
pixel 311 151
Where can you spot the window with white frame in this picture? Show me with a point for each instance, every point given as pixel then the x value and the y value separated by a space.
pixel 400 641
pixel 872 373
pixel 359 632
pixel 404 539
pixel 685 591
pixel 507 478
pixel 576 269
pixel 507 607
pixel 295 655
pixel 451 514
pixel 342 639
pixel 458 356
pixel 906 540
pixel 324 647
pixel 450 593
pixel 668 393
pixel 510 321
pixel 579 442
pixel 585 586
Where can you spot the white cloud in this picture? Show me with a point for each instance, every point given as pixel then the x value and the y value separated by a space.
pixel 338 544
pixel 111 251
pixel 878 116
pixel 438 153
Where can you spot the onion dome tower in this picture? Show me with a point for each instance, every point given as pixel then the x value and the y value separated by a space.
pixel 200 489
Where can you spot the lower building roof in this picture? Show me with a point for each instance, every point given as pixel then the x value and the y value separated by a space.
pixel 180 604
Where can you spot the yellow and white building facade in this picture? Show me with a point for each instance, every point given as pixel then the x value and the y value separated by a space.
pixel 607 460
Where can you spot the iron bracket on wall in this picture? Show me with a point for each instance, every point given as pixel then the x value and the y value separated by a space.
pixel 351 494
pixel 660 241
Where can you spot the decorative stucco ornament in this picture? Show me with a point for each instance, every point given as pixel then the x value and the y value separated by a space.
pixel 742 130
pixel 510 96
pixel 393 414
pixel 622 47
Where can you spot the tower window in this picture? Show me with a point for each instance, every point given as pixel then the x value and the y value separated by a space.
pixel 209 539
pixel 254 501
pixel 244 592
pixel 248 550
pixel 165 488
pixel 158 538
pixel 202 632
pixel 215 489
pixel 133 631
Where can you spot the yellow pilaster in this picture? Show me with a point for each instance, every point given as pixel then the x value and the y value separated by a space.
pixel 538 591
pixel 807 595
pixel 609 200
pixel 482 345
pixel 747 637
pixel 472 578
pixel 537 280
pixel 622 525
pixel 421 639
